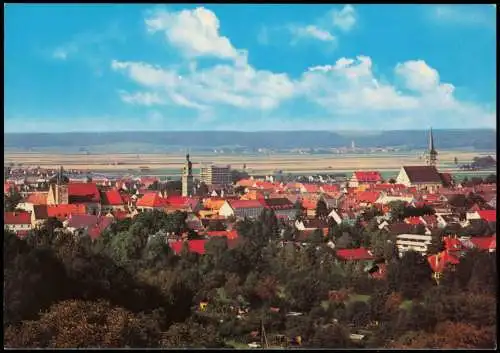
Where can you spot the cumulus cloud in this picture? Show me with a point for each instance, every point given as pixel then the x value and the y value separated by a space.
pixel 324 27
pixel 342 90
pixel 194 32
pixel 313 32
pixel 344 19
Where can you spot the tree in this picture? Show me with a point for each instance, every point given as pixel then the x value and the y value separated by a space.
pixel 321 209
pixel 411 275
pixel 455 160
pixel 202 190
pixel 397 209
pixel 217 226
pixel 84 324
pixel 329 336
pixel 240 190
pixel 392 181
pixel 490 179
pixel 191 335
pixel 12 199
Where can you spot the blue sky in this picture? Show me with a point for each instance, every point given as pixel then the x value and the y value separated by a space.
pixel 249 67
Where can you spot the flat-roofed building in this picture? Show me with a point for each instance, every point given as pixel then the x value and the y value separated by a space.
pixel 415 242
pixel 212 174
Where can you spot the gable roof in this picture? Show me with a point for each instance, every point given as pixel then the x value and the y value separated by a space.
pixel 82 220
pixel 64 211
pixel 112 198
pixel 281 203
pixel 439 261
pixel 368 196
pixel 151 199
pixel 355 254
pixel 484 243
pixel 16 218
pixel 368 176
pixel 488 215
pixel 422 174
pixel 235 204
pixel 83 192
pixel 37 198
pixel 40 212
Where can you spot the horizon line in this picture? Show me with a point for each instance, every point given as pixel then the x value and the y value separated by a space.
pixel 240 131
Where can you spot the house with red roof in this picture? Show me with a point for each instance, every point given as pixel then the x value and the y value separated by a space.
pixel 359 254
pixel 367 198
pixel 195 246
pixel 330 188
pixel 241 208
pixel 17 222
pixel 487 215
pixel 151 201
pixel 229 234
pixel 183 203
pixel 306 188
pixel 282 207
pixel 112 200
pixel 364 178
pixel 62 212
pixel 440 261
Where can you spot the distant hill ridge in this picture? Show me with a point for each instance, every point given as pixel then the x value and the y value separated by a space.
pixel 480 139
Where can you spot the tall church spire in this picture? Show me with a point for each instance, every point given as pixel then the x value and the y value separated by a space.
pixel 432 153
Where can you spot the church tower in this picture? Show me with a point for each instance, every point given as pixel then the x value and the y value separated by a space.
pixel 58 192
pixel 431 153
pixel 187 178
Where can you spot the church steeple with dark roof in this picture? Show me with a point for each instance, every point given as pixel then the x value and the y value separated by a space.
pixel 432 153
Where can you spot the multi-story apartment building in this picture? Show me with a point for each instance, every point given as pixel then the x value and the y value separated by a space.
pixel 415 242
pixel 212 174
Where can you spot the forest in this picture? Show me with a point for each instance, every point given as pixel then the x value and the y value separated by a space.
pixel 129 289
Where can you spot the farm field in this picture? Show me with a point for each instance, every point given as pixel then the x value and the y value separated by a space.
pixel 171 164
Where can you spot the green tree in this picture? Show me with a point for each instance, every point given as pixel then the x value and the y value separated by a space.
pixel 11 200
pixel 411 275
pixel 321 209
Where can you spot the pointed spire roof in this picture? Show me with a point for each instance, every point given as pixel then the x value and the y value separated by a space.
pixel 431 143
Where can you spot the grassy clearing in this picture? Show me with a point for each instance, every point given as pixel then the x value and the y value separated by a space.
pixel 406 305
pixel 358 298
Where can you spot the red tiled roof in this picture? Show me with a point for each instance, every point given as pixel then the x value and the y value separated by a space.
pixel 328 188
pixel 37 198
pixel 64 211
pixel 311 188
pixel 368 177
pixel 368 196
pixel 151 199
pixel 452 244
pixel 120 215
pixel 197 246
pixel 245 204
pixel 231 234
pixel 484 243
pixel 96 230
pixel 246 182
pixel 413 220
pixel 17 218
pixel 354 254
pixel 86 191
pixel 439 261
pixel 488 215
pixel 112 198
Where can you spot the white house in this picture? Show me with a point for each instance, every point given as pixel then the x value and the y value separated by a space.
pixel 241 208
pixel 415 242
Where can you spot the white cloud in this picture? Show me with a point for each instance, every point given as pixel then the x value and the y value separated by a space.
pixel 141 98
pixel 63 52
pixel 312 32
pixel 323 28
pixel 463 15
pixel 194 32
pixel 344 90
pixel 344 19
pixel 417 75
